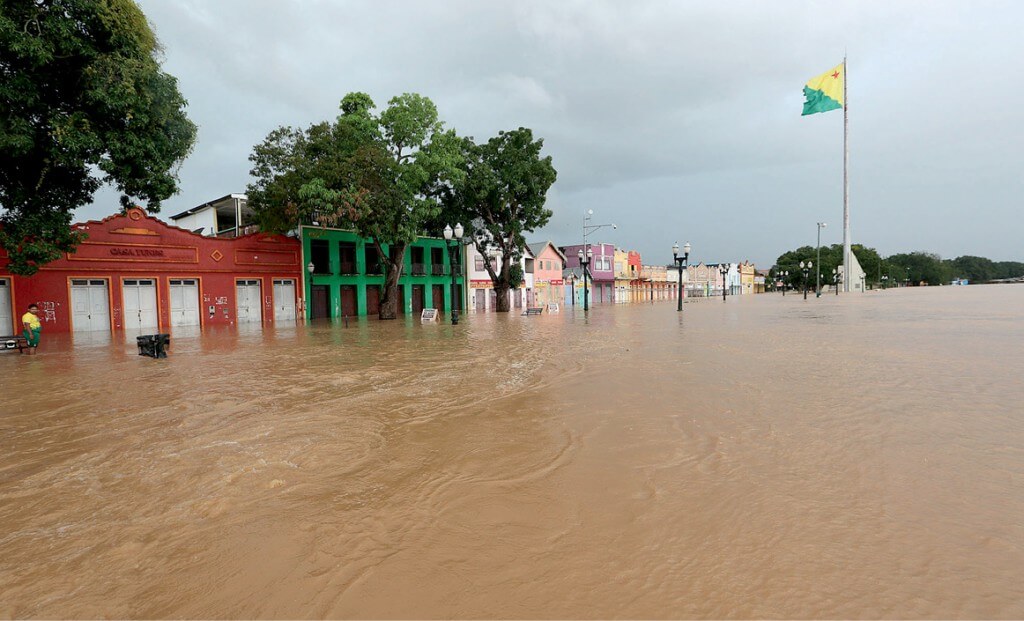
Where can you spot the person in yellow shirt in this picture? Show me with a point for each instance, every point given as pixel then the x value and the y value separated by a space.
pixel 32 327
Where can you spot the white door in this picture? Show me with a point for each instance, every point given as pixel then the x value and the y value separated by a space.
pixel 90 305
pixel 184 302
pixel 140 304
pixel 6 317
pixel 248 300
pixel 284 300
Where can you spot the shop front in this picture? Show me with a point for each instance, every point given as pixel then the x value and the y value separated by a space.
pixel 135 273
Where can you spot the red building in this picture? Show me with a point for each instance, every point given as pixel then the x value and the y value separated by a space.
pixel 134 272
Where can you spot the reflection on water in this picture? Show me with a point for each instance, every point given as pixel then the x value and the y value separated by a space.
pixel 766 457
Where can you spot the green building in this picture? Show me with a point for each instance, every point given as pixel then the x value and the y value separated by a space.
pixel 347 277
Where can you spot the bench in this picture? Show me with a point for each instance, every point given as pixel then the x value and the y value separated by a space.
pixel 13 342
pixel 534 310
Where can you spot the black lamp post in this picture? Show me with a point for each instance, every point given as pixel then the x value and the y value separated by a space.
pixel 785 276
pixel 681 264
pixel 817 286
pixel 724 269
pixel 806 269
pixel 835 279
pixel 585 260
pixel 885 282
pixel 453 239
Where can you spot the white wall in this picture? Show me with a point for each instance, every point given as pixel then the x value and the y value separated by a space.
pixel 205 219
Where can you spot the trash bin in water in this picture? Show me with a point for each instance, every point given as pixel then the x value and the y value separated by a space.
pixel 153 345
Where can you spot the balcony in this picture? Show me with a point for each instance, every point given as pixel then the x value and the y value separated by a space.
pixel 419 269
pixel 438 269
pixel 348 268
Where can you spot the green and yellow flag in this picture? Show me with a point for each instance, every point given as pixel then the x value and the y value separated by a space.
pixel 825 92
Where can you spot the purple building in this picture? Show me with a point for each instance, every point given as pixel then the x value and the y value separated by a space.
pixel 602 269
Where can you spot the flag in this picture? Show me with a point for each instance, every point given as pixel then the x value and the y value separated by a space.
pixel 825 92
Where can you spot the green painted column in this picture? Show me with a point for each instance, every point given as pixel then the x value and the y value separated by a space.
pixel 361 249
pixel 334 258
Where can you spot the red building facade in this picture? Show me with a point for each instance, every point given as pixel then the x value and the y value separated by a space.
pixel 134 272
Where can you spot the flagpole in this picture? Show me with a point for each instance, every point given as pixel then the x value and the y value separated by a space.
pixel 847 250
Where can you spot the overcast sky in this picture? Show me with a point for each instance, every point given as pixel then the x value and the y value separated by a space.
pixel 674 120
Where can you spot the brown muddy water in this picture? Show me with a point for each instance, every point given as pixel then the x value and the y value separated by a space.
pixel 766 457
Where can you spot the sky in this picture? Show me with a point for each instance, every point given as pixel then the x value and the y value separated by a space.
pixel 677 121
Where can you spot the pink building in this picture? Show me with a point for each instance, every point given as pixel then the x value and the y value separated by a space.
pixel 547 273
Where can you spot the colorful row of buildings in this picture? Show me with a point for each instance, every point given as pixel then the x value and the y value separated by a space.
pixel 213 267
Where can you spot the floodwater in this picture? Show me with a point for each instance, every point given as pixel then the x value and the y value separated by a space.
pixel 766 457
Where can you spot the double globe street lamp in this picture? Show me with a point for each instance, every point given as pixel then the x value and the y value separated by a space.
pixel 724 270
pixel 806 269
pixel 452 240
pixel 681 264
pixel 585 260
pixel 835 279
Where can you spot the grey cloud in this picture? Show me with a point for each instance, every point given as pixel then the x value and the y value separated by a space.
pixel 676 120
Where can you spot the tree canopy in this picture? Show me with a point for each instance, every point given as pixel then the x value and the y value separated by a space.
pixel 913 268
pixel 83 102
pixel 501 195
pixel 381 175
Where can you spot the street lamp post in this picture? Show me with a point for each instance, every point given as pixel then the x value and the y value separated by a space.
pixel 885 282
pixel 785 277
pixel 310 268
pixel 724 269
pixel 681 264
pixel 806 269
pixel 817 286
pixel 835 279
pixel 585 260
pixel 452 240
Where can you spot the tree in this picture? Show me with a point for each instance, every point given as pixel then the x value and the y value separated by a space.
pixel 502 192
pixel 831 258
pixel 920 268
pixel 83 101
pixel 382 175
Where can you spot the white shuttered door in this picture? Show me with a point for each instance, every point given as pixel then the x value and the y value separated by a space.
pixel 284 300
pixel 249 304
pixel 184 302
pixel 140 304
pixel 6 318
pixel 90 305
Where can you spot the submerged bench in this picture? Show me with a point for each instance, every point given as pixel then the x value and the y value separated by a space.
pixel 534 310
pixel 15 341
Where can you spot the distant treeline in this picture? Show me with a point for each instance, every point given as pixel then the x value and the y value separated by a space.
pixel 906 268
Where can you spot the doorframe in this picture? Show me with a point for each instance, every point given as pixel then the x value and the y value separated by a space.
pixel 110 300
pixel 200 300
pixel 156 287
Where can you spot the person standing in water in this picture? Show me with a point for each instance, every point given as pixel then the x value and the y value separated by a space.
pixel 33 327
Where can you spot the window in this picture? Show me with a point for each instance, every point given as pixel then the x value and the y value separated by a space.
pixel 320 257
pixel 478 264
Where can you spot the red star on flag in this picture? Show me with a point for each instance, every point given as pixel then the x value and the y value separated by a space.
pixel 836 75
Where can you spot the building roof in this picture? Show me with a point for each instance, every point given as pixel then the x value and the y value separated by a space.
pixel 197 208
pixel 538 247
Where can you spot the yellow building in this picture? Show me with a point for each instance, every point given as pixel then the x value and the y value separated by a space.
pixel 747 274
pixel 622 277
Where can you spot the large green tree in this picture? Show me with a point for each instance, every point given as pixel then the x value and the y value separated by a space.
pixel 83 101
pixel 382 175
pixel 501 195
pixel 831 258
pixel 920 268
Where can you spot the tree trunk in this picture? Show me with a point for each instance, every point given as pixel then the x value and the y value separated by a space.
pixel 502 304
pixel 389 302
